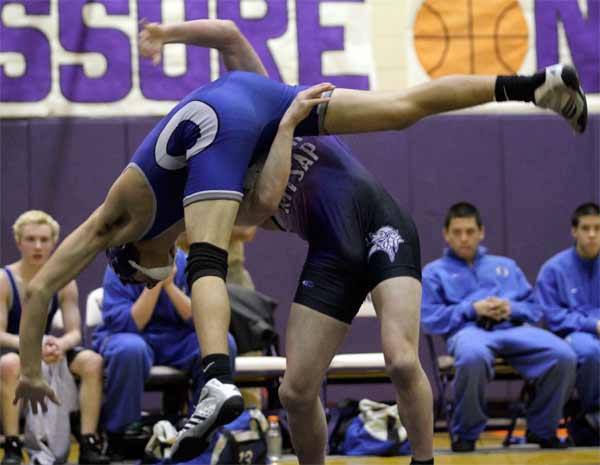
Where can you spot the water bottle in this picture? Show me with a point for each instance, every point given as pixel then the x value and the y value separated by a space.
pixel 273 440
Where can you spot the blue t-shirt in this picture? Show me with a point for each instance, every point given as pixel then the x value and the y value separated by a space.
pixel 14 312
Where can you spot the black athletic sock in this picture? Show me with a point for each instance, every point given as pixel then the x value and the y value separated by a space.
pixel 422 462
pixel 217 366
pixel 519 88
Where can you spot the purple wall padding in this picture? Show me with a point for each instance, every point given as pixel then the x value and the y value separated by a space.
pixel 14 179
pixel 544 182
pixel 526 174
pixel 454 159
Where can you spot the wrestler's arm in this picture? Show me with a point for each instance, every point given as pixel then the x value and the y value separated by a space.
pixel 77 250
pixel 219 34
pixel 263 199
pixel 114 222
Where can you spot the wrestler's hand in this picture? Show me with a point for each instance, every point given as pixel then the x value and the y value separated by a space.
pixel 34 391
pixel 304 103
pixel 150 41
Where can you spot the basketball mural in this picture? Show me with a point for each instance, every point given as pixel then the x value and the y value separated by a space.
pixel 79 57
pixel 470 37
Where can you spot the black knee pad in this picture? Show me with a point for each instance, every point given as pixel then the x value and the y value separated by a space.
pixel 205 259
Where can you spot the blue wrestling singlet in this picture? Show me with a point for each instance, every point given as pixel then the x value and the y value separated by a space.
pixel 15 310
pixel 201 150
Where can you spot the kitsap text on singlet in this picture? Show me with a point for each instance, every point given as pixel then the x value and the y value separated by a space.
pixel 303 158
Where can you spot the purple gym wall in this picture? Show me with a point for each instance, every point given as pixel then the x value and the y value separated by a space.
pixel 526 174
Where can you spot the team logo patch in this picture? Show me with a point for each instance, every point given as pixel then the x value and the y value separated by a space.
pixel 502 271
pixel 386 239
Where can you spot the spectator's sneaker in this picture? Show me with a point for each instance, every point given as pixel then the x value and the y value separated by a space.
pixel 463 445
pixel 90 451
pixel 13 451
pixel 562 93
pixel 218 405
pixel 545 443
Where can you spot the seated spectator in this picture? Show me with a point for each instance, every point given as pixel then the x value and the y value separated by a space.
pixel 145 327
pixel 483 306
pixel 36 234
pixel 568 288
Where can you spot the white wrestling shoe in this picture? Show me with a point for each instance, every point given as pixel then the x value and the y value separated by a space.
pixel 218 405
pixel 562 93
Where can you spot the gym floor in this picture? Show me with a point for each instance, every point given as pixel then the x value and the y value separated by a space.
pixel 489 452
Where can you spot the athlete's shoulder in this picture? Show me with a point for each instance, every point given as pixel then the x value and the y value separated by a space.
pixel 6 289
pixel 4 284
pixel 236 74
pixel 559 260
pixel 435 267
pixel 237 77
pixel 3 274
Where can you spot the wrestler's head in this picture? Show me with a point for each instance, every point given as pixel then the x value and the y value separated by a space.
pixel 36 234
pixel 135 266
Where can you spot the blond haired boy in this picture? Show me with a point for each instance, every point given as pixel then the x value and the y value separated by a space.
pixel 36 233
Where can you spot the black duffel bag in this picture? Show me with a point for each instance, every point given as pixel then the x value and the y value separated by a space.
pixel 252 323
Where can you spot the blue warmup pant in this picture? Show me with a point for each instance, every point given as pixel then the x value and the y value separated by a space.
pixel 538 355
pixel 128 358
pixel 587 382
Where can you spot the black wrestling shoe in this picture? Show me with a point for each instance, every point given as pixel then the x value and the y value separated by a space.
pixel 13 451
pixel 545 443
pixel 90 451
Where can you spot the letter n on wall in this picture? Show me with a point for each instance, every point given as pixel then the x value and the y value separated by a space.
pixel 583 37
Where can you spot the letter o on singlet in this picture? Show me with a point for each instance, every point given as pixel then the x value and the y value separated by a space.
pixel 194 113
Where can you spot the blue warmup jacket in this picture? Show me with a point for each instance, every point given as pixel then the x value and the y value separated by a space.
pixel 568 289
pixel 165 329
pixel 451 286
